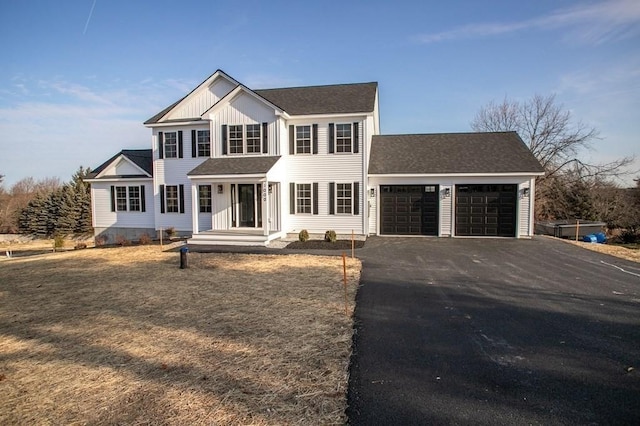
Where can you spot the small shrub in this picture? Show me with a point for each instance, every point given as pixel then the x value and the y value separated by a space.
pixel 330 236
pixel 303 235
pixel 58 242
pixel 145 239
pixel 171 232
pixel 101 240
pixel 80 246
pixel 122 241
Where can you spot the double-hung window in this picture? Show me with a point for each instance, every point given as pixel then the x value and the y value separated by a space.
pixel 343 138
pixel 344 198
pixel 121 198
pixel 127 198
pixel 170 145
pixel 303 198
pixel 253 139
pixel 303 139
pixel 134 198
pixel 172 199
pixel 235 139
pixel 204 198
pixel 204 146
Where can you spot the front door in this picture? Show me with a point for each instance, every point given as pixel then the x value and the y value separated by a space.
pixel 247 205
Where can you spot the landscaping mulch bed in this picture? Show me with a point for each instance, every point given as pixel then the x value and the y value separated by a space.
pixel 324 245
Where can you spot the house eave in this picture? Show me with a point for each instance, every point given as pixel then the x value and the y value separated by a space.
pixel 450 175
pixel 118 179
pixel 330 116
pixel 188 122
pixel 227 177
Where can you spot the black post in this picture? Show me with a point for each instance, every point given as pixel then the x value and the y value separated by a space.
pixel 184 264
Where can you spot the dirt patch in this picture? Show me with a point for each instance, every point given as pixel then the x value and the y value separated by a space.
pixel 613 250
pixel 123 335
pixel 324 245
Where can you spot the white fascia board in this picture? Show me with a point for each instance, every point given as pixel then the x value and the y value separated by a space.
pixel 204 121
pixel 118 179
pixel 330 116
pixel 120 158
pixel 229 97
pixel 449 175
pixel 227 178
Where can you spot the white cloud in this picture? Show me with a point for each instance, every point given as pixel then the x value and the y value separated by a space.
pixel 594 23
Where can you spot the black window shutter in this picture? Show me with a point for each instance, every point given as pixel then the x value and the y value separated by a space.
pixel 161 198
pixel 330 138
pixel 160 145
pixel 194 144
pixel 356 198
pixel 143 205
pixel 356 138
pixel 292 198
pixel 314 136
pixel 224 139
pixel 292 139
pixel 180 144
pixel 113 198
pixel 265 140
pixel 181 198
pixel 332 201
pixel 315 198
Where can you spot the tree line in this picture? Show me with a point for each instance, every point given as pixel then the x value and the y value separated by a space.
pixel 47 207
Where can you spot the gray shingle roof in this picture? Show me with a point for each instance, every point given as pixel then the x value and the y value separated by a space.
pixel 142 158
pixel 333 99
pixel 455 153
pixel 235 166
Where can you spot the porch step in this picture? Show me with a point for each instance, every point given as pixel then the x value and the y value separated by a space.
pixel 228 240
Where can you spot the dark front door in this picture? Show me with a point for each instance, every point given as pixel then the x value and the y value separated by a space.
pixel 486 210
pixel 247 205
pixel 409 209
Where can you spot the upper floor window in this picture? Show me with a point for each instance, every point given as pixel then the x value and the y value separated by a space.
pixel 129 198
pixel 303 139
pixel 253 138
pixel 235 140
pixel 204 145
pixel 343 137
pixel 170 145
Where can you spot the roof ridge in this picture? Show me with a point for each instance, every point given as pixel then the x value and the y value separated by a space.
pixel 315 86
pixel 448 133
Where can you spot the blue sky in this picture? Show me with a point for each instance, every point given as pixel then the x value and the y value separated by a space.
pixel 78 77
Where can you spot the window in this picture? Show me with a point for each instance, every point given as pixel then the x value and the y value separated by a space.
pixel 235 140
pixel 204 196
pixel 343 137
pixel 170 145
pixel 134 198
pixel 253 139
pixel 303 198
pixel 204 146
pixel 303 139
pixel 121 198
pixel 343 198
pixel 172 199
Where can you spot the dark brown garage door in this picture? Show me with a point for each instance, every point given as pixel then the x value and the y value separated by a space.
pixel 409 209
pixel 486 210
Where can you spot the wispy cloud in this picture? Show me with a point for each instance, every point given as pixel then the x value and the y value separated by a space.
pixel 594 23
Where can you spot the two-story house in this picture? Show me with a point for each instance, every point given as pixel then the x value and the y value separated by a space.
pixel 231 165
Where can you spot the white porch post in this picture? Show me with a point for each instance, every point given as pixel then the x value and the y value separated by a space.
pixel 194 208
pixel 265 207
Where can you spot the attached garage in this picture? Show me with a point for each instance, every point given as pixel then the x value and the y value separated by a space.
pixel 409 209
pixel 484 210
pixel 452 184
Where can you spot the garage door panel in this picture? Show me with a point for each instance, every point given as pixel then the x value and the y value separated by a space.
pixel 409 209
pixel 486 210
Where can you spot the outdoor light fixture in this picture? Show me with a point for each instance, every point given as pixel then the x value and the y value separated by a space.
pixel 220 189
pixel 270 188
pixel 372 192
pixel 525 192
pixel 447 192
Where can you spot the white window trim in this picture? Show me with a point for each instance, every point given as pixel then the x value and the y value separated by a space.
pixel 164 147
pixel 310 199
pixel 210 199
pixel 245 140
pixel 335 199
pixel 198 132
pixel 129 198
pixel 166 199
pixel 295 135
pixel 335 139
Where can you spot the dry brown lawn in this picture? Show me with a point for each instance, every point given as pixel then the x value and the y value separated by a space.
pixel 617 251
pixel 123 336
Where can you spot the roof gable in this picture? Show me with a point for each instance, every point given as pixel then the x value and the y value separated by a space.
pixel 331 99
pixel 452 153
pixel 235 94
pixel 126 163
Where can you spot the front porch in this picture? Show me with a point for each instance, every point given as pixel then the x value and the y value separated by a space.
pixel 234 237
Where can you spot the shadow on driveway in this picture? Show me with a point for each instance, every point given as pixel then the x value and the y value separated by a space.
pixel 472 331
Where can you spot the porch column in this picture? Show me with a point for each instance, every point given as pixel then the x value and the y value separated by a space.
pixel 265 207
pixel 194 208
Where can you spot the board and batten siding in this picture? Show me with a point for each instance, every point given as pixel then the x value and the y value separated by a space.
pixel 101 205
pixel 198 103
pixel 324 168
pixel 244 109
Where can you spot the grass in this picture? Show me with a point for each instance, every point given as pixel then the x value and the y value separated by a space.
pixel 122 336
pixel 628 253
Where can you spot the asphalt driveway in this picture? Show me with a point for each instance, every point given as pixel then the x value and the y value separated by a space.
pixel 485 331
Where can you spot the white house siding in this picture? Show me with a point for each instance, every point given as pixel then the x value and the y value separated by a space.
pixel 121 167
pixel 199 102
pixel 447 204
pixel 324 168
pixel 244 109
pixel 525 208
